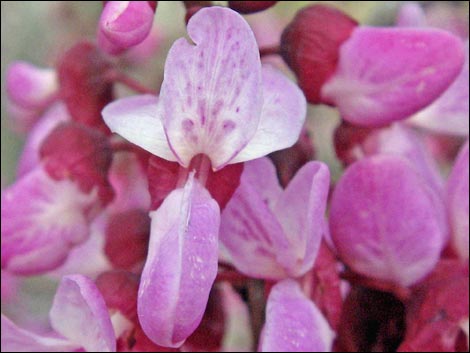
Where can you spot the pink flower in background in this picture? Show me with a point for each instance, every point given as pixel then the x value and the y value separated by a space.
pixel 79 320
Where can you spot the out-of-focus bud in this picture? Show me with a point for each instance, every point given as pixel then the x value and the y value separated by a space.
pixel 194 6
pixel 386 222
pixel 84 86
pixel 124 24
pixel 247 7
pixel 457 203
pixel 310 46
pixel 75 152
pixel 30 90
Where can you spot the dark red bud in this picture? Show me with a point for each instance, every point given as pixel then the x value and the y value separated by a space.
pixel 347 139
pixel 247 7
pixel 194 6
pixel 127 238
pixel 84 85
pixel 76 152
pixel 310 46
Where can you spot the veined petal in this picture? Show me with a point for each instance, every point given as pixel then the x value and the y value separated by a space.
pixel 388 74
pixel 42 219
pixel 282 117
pixel 301 211
pixel 138 119
pixel 293 322
pixel 249 229
pixel 211 93
pixel 79 313
pixel 181 265
pixel 16 339
pixel 449 114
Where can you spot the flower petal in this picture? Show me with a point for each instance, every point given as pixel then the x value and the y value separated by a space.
pixel 386 222
pixel 387 74
pixel 282 117
pixel 181 265
pixel 16 339
pixel 249 229
pixel 80 314
pixel 42 219
pixel 138 119
pixel 211 92
pixel 458 204
pixel 293 322
pixel 301 212
pixel 449 113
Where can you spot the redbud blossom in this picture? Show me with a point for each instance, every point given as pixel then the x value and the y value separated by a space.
pixel 124 24
pixel 293 322
pixel 386 222
pixel 247 7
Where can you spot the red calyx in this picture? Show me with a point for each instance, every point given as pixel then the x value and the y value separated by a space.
pixel 164 175
pixel 310 46
pixel 84 86
pixel 247 7
pixel 347 138
pixel 76 152
pixel 127 238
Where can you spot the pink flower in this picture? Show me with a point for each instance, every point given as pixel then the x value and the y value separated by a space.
pixel 79 320
pixel 272 233
pixel 386 222
pixel 124 24
pixel 293 322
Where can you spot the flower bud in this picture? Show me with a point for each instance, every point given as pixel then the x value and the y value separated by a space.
pixel 247 7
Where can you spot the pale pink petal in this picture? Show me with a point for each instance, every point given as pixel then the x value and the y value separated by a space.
pixel 211 92
pixel 398 139
pixel 138 119
pixel 282 117
pixel 457 203
pixel 293 322
pixel 388 74
pixel 249 229
pixel 30 87
pixel 301 212
pixel 238 336
pixel 16 339
pixel 181 265
pixel 29 158
pixel 411 14
pixel 449 113
pixel 87 258
pixel 130 184
pixel 386 222
pixel 42 219
pixel 79 313
pixel 126 23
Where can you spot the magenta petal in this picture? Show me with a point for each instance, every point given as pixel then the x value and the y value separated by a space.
pixel 29 158
pixel 211 92
pixel 386 222
pixel 449 113
pixel 293 322
pixel 181 265
pixel 388 74
pixel 282 117
pixel 249 229
pixel 79 313
pixel 138 120
pixel 458 204
pixel 126 23
pixel 42 219
pixel 301 212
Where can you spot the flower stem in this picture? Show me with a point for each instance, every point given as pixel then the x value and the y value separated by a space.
pixel 273 50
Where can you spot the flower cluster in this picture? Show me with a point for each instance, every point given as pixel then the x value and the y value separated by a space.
pixel 196 217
